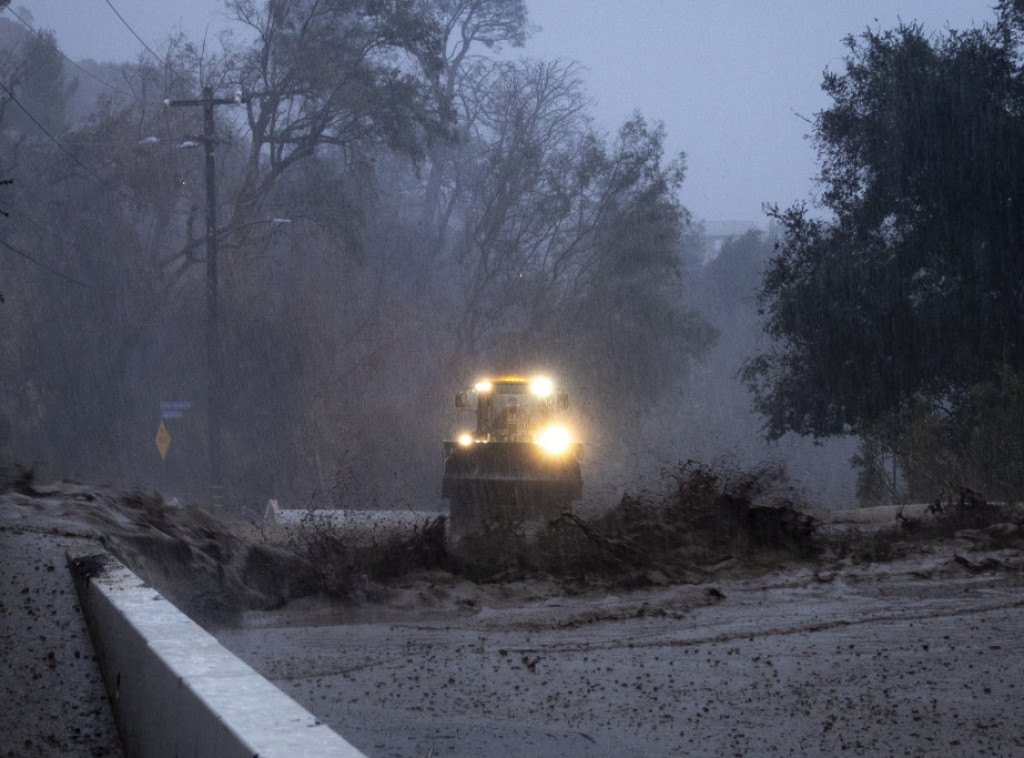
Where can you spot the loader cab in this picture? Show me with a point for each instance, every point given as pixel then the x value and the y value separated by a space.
pixel 513 408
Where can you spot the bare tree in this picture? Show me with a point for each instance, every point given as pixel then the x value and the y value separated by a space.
pixel 465 24
pixel 350 74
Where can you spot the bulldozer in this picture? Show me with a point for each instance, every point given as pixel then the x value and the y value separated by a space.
pixel 520 465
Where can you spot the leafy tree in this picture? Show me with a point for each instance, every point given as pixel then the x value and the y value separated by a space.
pixel 333 87
pixel 522 218
pixel 627 327
pixel 904 310
pixel 572 250
pixel 914 288
pixel 100 212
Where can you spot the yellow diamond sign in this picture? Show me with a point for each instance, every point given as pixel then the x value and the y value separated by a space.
pixel 163 440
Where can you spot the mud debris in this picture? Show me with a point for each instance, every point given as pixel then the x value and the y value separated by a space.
pixel 698 526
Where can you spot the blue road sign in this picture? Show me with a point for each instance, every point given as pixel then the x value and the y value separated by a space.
pixel 174 408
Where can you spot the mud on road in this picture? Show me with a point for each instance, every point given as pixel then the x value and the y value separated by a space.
pixel 916 657
pixel 892 639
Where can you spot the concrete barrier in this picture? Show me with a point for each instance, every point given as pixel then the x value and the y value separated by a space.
pixel 174 689
pixel 877 514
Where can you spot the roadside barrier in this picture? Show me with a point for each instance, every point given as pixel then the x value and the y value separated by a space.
pixel 175 690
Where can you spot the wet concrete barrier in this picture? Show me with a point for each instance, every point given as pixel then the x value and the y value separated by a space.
pixel 175 690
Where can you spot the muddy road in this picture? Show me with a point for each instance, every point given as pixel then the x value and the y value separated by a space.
pixel 917 657
pixel 693 625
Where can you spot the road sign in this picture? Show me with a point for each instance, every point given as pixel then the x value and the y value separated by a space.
pixel 163 441
pixel 174 408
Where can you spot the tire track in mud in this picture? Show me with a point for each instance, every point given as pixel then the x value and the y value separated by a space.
pixel 808 628
pixel 660 638
pixel 429 637
pixel 628 684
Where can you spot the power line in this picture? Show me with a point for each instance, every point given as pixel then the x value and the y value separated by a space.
pixel 33 260
pixel 84 70
pixel 46 131
pixel 39 263
pixel 92 172
pixel 18 214
pixel 129 27
pixel 181 77
pixel 94 76
pixel 142 42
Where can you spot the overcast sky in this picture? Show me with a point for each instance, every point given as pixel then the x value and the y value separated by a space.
pixel 732 80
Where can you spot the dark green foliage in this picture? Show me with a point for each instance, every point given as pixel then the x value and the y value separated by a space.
pixel 912 292
pixel 974 441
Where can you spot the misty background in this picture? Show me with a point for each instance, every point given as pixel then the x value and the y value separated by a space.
pixel 403 205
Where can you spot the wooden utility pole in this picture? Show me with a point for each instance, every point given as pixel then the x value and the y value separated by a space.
pixel 215 392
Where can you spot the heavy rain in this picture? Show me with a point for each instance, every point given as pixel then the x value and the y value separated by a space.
pixel 522 378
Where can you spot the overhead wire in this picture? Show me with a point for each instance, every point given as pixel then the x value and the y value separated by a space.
pixel 39 263
pixel 61 145
pixel 81 68
pixel 142 42
pixel 134 34
pixel 166 64
pixel 67 151
pixel 181 77
pixel 114 88
pixel 46 131
pixel 19 214
pixel 77 162
pixel 74 158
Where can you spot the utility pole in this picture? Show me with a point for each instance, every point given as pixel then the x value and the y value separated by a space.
pixel 215 387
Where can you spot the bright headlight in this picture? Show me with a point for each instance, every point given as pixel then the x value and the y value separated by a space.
pixel 465 440
pixel 555 440
pixel 484 386
pixel 541 386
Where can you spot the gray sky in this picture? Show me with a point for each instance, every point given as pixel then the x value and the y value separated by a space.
pixel 732 80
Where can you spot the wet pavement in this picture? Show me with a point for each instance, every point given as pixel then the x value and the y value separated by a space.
pixel 52 699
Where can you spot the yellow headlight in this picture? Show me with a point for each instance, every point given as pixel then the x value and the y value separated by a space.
pixel 484 386
pixel 555 439
pixel 465 440
pixel 541 386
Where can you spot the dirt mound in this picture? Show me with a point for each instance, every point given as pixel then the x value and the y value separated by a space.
pixel 697 521
pixel 969 523
pixel 214 569
pixel 698 524
pixel 700 518
pixel 211 568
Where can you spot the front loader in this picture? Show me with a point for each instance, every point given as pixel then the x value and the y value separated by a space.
pixel 519 465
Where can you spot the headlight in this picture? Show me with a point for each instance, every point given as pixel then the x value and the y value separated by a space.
pixel 465 440
pixel 484 386
pixel 541 386
pixel 554 439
